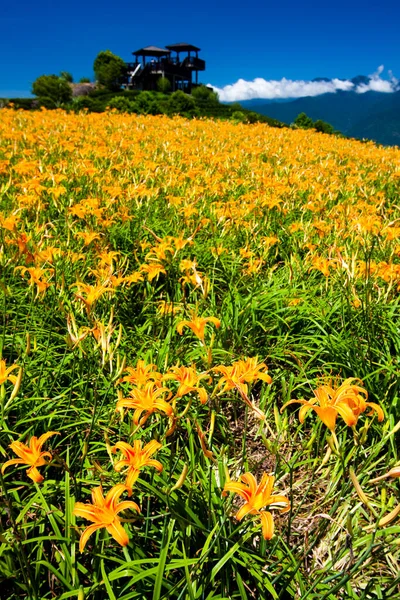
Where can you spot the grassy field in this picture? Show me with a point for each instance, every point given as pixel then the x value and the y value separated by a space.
pixel 169 287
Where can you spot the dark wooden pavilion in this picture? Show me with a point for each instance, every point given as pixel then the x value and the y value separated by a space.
pixel 176 62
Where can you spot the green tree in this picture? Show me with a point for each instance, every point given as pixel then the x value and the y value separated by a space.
pixel 303 121
pixel 109 69
pixel 163 85
pixel 146 103
pixel 52 87
pixel 84 80
pixel 238 116
pixel 66 76
pixel 121 104
pixel 205 94
pixel 182 104
pixel 323 127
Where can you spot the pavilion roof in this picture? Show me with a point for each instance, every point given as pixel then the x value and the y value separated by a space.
pixel 152 51
pixel 183 47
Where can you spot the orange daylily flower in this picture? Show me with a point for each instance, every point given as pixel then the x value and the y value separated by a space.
pixel 146 400
pixel 197 325
pixel 153 270
pixel 104 513
pixel 136 458
pixel 5 373
pixel 142 374
pixel 241 373
pixel 348 400
pixel 31 455
pixel 257 497
pixel 188 381
pixel 93 293
pixel 238 375
pixel 36 278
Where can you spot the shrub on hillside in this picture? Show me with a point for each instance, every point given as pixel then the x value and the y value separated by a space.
pixel 109 69
pixel 180 103
pixel 323 126
pixel 89 104
pixel 67 76
pixel 122 104
pixel 302 121
pixel 147 104
pixel 163 85
pixel 53 87
pixel 205 94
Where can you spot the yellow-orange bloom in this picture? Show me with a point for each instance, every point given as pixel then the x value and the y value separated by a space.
pixel 188 381
pixel 104 513
pixel 241 373
pixel 5 373
pixel 257 497
pixel 31 455
pixel 197 325
pixel 136 458
pixel 92 292
pixel 153 270
pixel 348 400
pixel 146 400
pixel 142 374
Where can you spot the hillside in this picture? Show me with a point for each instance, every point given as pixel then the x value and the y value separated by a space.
pixel 370 115
pixel 174 291
pixel 202 103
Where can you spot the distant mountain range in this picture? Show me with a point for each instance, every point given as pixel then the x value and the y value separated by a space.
pixel 371 115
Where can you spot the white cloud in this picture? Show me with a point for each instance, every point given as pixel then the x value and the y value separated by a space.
pixel 376 84
pixel 289 88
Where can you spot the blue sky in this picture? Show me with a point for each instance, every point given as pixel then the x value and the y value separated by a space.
pixel 287 39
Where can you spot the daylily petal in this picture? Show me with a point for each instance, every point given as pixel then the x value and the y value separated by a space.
pixel 114 494
pixel 266 484
pixel 86 535
pixel 202 394
pixel 378 409
pixel 156 464
pixel 118 532
pixel 267 523
pixel 86 511
pixel 22 451
pixel 265 377
pixel 181 325
pixel 137 414
pixel 34 474
pixel 327 415
pixel 127 505
pixel 278 499
pixel 251 482
pixel 43 438
pixel 243 511
pixel 151 447
pixel 293 402
pixel 164 407
pixel 124 447
pixel 346 413
pixel 97 496
pixel 215 321
pixel 121 464
pixel 13 461
pixel 237 488
pixel 131 478
pixel 303 411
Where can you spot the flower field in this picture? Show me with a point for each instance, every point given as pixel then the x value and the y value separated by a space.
pixel 199 368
